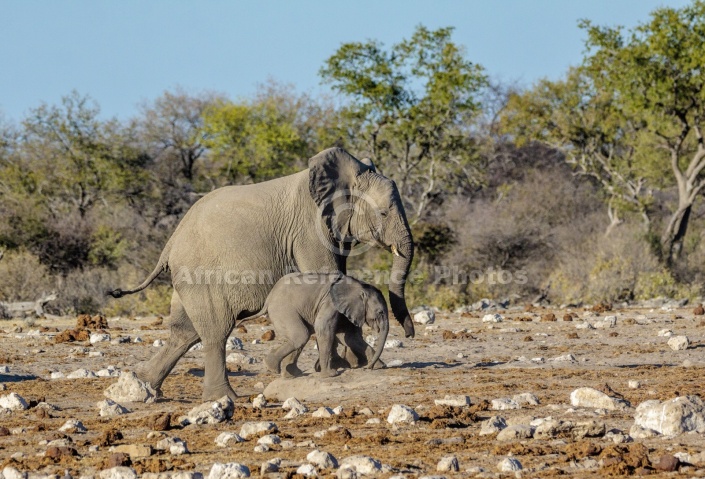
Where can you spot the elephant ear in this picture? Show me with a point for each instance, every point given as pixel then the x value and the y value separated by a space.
pixel 350 299
pixel 367 162
pixel 332 175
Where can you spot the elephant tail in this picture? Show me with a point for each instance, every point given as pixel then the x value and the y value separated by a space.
pixel 161 266
pixel 252 316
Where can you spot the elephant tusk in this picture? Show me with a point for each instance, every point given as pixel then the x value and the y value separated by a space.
pixel 395 251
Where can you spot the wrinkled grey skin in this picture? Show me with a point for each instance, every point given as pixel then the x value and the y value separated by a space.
pixel 274 227
pixel 301 304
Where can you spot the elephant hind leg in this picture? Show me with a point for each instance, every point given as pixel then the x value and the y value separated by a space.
pixel 295 334
pixel 213 322
pixel 181 338
pixel 289 368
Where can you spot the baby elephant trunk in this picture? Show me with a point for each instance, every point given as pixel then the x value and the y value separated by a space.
pixel 384 329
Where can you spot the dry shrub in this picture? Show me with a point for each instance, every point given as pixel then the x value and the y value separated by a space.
pixel 23 277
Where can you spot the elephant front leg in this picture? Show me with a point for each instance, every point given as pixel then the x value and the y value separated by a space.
pixel 356 352
pixel 325 326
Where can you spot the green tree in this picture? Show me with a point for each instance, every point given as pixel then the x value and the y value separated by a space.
pixel 411 109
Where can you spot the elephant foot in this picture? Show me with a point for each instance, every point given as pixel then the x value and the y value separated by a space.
pixel 217 392
pixel 151 380
pixel 292 371
pixel 272 364
pixel 336 363
pixel 328 374
pixel 380 365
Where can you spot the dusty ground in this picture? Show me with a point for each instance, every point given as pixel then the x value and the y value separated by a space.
pixel 443 359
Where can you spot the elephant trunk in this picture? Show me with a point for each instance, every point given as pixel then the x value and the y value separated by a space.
pixel 383 331
pixel 403 255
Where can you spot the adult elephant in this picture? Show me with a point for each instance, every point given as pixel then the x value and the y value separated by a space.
pixel 236 242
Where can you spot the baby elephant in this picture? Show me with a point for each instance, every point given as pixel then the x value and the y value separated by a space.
pixel 304 303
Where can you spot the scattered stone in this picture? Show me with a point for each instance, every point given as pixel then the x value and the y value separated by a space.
pixel 57 453
pixel 196 347
pixel 566 358
pixel 527 399
pixel 268 335
pixel 338 410
pixel 492 318
pixel 322 459
pixel 80 374
pixel 230 470
pixel 134 450
pixel 109 372
pixel 634 384
pixel 639 432
pixel 234 344
pixel 675 416
pixel 455 401
pixel 212 412
pixel 393 343
pixel 269 440
pixel 362 465
pixel 402 414
pixel 699 310
pixel 158 343
pixel 295 408
pixel 130 389
pixel 270 466
pixel 323 412
pixel 448 464
pixel 395 363
pixel 667 463
pixel 584 325
pixel 57 375
pixel 509 464
pixel 225 439
pixel 174 445
pixel 665 333
pixel 306 470
pixel 583 429
pixel 119 472
pixel 73 426
pixel 427 316
pixel 10 472
pixel 13 402
pixel 109 408
pixel 548 317
pixel 503 404
pixel 239 358
pixel 592 398
pixel 515 432
pixel 261 448
pixel 259 402
pixel 253 429
pixel 678 343
pixel 493 425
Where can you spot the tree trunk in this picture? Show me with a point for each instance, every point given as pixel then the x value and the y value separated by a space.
pixel 672 239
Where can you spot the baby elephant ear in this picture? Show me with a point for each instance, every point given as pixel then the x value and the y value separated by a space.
pixel 350 299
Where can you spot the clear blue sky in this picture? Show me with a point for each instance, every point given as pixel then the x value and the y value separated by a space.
pixel 123 52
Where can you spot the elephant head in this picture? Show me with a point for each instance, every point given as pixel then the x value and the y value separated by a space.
pixel 362 304
pixel 360 205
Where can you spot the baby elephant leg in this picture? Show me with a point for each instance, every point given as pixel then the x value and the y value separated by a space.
pixel 294 333
pixel 289 368
pixel 325 325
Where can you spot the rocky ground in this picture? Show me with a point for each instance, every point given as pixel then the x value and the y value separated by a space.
pixel 524 372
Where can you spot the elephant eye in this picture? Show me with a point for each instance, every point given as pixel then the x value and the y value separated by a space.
pixel 384 213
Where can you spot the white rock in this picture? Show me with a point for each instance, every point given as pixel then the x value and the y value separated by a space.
pixel 306 470
pixel 250 429
pixel 99 338
pixel 323 412
pixel 322 459
pixel 57 375
pixel 13 402
pixel 174 445
pixel 584 325
pixel 679 343
pixel 338 410
pixel 675 416
pixel 455 401
pixel 212 412
pixel 638 432
pixel 118 473
pixel 11 473
pixel 137 339
pixel 526 399
pixel 492 425
pixel 109 407
pixel 4 369
pixel 270 466
pixel 634 384
pixel 566 358
pixel 108 372
pixel 347 472
pixel 239 358
pixel 261 448
pixel 402 414
pixel 158 343
pixel 130 389
pixel 448 464
pixel 592 398
pixel 607 322
pixel 509 464
pixel 294 404
pixel 393 343
pixel 96 354
pixel 225 439
pixel 426 316
pixel 259 402
pixel 518 431
pixel 395 363
pixel 362 465
pixel 269 440
pixel 230 470
pixel 73 426
pixel 373 420
pixel 665 333
pixel 81 373
pixel 233 344
pixel 492 318
pixel 502 404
